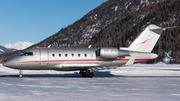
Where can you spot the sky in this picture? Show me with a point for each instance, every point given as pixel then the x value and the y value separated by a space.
pixel 35 20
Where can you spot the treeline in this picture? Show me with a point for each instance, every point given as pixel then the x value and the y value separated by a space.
pixel 4 57
pixel 123 31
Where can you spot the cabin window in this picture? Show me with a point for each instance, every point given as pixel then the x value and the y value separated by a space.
pixel 59 55
pixel 26 54
pixel 72 55
pixel 85 55
pixel 66 55
pixel 21 54
pixel 79 55
pixel 53 55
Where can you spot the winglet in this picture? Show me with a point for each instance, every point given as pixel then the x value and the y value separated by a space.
pixel 131 60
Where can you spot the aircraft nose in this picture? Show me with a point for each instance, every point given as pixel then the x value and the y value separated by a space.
pixel 7 63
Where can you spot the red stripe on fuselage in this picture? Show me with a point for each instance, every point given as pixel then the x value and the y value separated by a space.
pixel 28 62
pixel 84 60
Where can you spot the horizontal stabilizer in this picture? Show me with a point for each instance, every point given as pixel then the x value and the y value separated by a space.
pixel 162 28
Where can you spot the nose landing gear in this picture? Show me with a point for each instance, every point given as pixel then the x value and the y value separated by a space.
pixel 20 74
pixel 86 73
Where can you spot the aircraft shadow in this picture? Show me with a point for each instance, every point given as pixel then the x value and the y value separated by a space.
pixel 96 74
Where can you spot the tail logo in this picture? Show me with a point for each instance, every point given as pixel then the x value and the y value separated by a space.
pixel 144 41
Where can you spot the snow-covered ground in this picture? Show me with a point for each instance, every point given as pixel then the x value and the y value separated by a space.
pixel 140 82
pixel 159 69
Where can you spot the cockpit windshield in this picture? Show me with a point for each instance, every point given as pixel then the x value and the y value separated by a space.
pixel 26 54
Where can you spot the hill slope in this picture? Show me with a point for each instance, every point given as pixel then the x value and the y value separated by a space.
pixel 5 50
pixel 81 31
pixel 123 31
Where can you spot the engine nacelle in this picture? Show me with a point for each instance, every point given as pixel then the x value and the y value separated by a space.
pixel 111 53
pixel 108 52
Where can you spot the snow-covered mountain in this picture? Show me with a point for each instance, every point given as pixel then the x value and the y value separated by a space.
pixel 13 47
pixel 19 45
pixel 5 50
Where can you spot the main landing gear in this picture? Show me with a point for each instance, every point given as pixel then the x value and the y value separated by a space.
pixel 20 74
pixel 86 73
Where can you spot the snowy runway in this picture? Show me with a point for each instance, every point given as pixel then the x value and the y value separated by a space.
pixel 158 82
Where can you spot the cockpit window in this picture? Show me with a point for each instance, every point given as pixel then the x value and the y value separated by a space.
pixel 26 54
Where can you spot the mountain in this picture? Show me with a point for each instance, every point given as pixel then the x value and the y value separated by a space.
pixel 19 45
pixel 124 30
pixel 11 50
pixel 81 31
pixel 117 23
pixel 5 50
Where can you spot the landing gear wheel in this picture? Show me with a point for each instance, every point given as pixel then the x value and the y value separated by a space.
pixel 20 75
pixel 91 75
pixel 86 73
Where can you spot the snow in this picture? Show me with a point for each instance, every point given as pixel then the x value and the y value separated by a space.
pixel 115 8
pixel 1 50
pixel 167 57
pixel 160 69
pixel 139 82
pixel 19 45
pixel 145 1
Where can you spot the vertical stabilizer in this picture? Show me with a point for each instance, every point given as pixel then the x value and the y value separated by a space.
pixel 146 41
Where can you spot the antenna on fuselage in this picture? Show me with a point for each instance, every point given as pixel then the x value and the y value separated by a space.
pixel 49 46
pixel 89 46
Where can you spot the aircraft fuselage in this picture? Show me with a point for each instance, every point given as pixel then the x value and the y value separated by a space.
pixel 65 59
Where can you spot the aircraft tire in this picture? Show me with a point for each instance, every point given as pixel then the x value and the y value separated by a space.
pixel 91 75
pixel 20 75
pixel 84 74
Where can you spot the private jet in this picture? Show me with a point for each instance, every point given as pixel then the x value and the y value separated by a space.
pixel 88 60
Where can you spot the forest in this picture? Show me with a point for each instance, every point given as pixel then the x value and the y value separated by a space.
pixel 124 30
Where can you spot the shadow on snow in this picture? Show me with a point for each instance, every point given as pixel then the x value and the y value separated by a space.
pixel 75 74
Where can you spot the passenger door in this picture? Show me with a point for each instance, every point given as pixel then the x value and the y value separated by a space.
pixel 44 59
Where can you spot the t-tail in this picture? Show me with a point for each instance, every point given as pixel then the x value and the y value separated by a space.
pixel 146 41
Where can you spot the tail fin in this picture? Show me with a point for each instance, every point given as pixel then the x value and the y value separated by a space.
pixel 146 41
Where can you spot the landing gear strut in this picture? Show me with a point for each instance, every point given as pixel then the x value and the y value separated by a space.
pixel 20 74
pixel 86 73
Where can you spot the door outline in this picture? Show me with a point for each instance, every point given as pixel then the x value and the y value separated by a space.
pixel 44 56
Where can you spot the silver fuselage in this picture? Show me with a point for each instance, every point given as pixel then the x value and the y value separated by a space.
pixel 65 59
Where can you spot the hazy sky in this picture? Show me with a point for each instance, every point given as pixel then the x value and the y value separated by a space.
pixel 35 20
